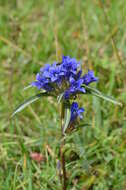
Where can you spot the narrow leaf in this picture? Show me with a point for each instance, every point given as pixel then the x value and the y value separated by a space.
pixel 97 93
pixel 66 118
pixel 91 89
pixel 59 98
pixel 107 98
pixel 28 102
pixel 27 87
pixel 83 125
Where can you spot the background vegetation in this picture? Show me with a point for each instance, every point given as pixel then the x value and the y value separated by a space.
pixel 33 33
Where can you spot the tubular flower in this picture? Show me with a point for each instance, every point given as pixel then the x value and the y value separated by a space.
pixel 65 77
pixel 76 112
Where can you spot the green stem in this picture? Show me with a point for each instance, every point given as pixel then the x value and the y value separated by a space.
pixel 64 179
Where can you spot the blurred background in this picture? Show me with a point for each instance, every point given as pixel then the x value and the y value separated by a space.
pixel 33 33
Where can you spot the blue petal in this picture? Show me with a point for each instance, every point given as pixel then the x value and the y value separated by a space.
pixel 89 78
pixel 81 89
pixel 36 84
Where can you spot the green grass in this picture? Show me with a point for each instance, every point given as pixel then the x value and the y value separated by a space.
pixel 33 33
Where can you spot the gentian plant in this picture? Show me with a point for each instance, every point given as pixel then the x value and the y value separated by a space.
pixel 65 81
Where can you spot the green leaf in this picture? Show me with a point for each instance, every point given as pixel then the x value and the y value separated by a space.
pixel 83 125
pixel 59 98
pixel 27 87
pixel 66 118
pixel 89 89
pixel 97 93
pixel 28 102
pixel 107 98
pixel 80 126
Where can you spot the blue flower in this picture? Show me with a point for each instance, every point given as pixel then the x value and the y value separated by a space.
pixel 76 111
pixel 75 87
pixel 69 66
pixel 89 78
pixel 65 77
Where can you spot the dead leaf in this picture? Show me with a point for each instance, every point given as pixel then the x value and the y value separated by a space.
pixel 38 157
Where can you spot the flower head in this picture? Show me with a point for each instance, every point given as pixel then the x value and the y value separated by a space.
pixel 65 77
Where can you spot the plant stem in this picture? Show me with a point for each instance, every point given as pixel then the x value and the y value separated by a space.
pixel 64 179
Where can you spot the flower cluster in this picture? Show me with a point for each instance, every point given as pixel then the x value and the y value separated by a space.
pixel 65 77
